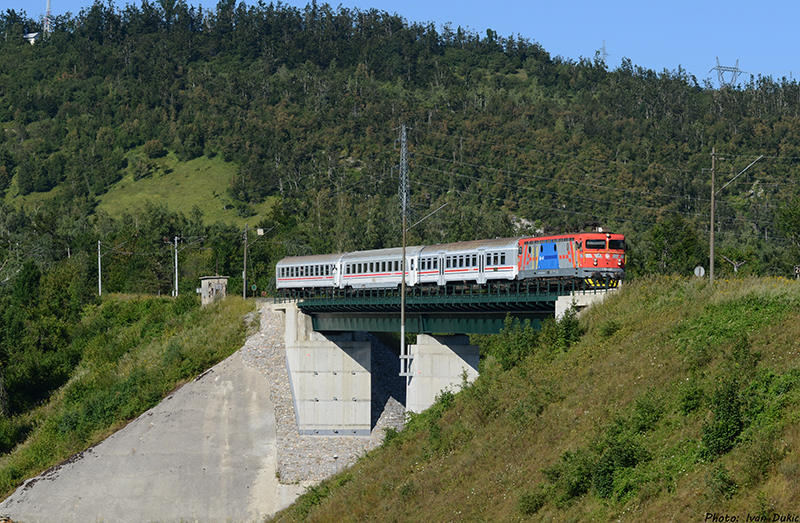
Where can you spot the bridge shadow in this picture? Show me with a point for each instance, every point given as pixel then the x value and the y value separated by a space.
pixel 386 380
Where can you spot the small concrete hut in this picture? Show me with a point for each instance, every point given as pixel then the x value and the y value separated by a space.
pixel 213 288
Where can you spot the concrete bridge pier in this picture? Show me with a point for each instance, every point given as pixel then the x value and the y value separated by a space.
pixel 438 363
pixel 330 377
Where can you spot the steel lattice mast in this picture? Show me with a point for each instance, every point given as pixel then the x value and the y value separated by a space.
pixel 405 364
pixel 47 16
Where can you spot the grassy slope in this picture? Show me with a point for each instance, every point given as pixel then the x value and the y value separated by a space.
pixel 527 444
pixel 134 350
pixel 181 185
pixel 177 185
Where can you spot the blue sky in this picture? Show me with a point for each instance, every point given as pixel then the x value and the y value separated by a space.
pixel 762 36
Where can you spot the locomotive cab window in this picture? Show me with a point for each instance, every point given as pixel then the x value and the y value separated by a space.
pixel 616 244
pixel 595 244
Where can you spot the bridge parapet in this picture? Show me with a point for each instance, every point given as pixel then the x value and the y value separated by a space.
pixel 510 295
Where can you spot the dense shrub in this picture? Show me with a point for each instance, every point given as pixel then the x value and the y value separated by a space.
pixel 624 452
pixel 571 476
pixel 721 485
pixel 516 341
pixel 692 398
pixel 647 411
pixel 720 433
pixel 529 503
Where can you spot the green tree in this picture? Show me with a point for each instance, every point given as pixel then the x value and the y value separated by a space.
pixel 673 247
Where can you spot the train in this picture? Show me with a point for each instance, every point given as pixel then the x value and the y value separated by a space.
pixel 596 258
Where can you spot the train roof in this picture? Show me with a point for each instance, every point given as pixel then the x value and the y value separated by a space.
pixel 474 245
pixel 308 260
pixel 383 253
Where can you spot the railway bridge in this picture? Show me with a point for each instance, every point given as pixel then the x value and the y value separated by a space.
pixel 328 351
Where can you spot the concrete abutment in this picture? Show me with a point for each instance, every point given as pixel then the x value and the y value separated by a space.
pixel 580 300
pixel 330 377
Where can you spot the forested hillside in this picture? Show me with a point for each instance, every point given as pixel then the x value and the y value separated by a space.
pixel 306 105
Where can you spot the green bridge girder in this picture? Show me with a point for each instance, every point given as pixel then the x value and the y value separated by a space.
pixel 464 308
pixel 428 323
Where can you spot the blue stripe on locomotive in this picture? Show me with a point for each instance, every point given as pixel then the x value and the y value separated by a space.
pixel 548 256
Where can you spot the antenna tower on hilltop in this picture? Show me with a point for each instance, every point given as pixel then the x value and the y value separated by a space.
pixel 47 16
pixel 721 69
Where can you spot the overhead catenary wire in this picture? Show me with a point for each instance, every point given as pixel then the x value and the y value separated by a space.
pixel 594 216
pixel 580 198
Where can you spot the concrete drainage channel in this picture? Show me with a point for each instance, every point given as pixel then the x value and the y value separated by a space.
pixel 224 447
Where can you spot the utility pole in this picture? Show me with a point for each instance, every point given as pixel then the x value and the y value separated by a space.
pixel 175 293
pixel 713 204
pixel 713 192
pixel 404 357
pixel 99 272
pixel 244 272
